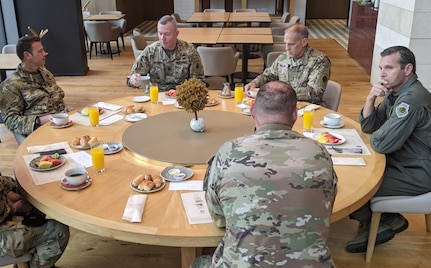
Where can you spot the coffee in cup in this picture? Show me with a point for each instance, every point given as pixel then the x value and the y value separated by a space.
pixel 332 119
pixel 75 176
pixel 60 119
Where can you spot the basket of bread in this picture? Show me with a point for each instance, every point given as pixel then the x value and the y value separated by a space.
pixel 133 109
pixel 84 142
pixel 147 183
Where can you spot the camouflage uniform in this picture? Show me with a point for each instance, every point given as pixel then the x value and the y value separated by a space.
pixel 273 191
pixel 46 243
pixel 168 71
pixel 307 75
pixel 25 96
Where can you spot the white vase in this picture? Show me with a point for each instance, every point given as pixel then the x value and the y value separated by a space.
pixel 197 125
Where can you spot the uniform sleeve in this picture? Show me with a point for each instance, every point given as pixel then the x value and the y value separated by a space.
pixel 6 184
pixel 268 75
pixel 317 81
pixel 141 65
pixel 402 120
pixel 12 104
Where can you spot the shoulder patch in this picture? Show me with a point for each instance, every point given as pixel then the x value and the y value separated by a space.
pixel 402 110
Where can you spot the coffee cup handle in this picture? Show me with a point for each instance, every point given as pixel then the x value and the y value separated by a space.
pixel 64 180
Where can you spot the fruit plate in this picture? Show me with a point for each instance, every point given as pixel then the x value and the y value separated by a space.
pixel 135 188
pixel 33 162
pixel 171 94
pixel 101 111
pixel 245 111
pixel 176 173
pixel 81 186
pixel 248 101
pixel 340 137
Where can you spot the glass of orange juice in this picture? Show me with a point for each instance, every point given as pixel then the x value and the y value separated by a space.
pixel 308 120
pixel 93 114
pixel 98 158
pixel 239 92
pixel 154 93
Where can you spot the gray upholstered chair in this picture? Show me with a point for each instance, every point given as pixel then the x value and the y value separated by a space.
pixel 117 23
pixel 138 42
pixel 219 61
pixel 182 23
pixel 270 58
pixel 278 28
pixel 266 49
pixel 332 95
pixel 215 24
pixel 21 262
pixel 9 49
pixel 253 24
pixel 101 32
pixel 420 204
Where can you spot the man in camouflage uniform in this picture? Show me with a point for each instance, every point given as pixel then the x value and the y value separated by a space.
pixel 169 61
pixel 273 191
pixel 305 69
pixel 31 94
pixel 401 129
pixel 23 229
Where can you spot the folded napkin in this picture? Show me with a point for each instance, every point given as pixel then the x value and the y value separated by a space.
pixel 112 119
pixel 109 106
pixel 50 147
pixel 169 102
pixel 134 208
pixel 348 161
pixel 311 107
pixel 242 105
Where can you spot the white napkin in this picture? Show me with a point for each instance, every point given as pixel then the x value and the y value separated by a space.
pixel 134 208
pixel 112 119
pixel 49 147
pixel 169 102
pixel 242 105
pixel 186 185
pixel 348 161
pixel 311 106
pixel 109 106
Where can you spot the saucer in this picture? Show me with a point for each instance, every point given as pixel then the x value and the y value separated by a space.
pixel 135 117
pixel 226 96
pixel 141 99
pixel 81 186
pixel 176 173
pixel 340 125
pixel 68 124
pixel 112 147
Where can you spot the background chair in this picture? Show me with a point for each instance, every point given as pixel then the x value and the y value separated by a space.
pixel 219 61
pixel 270 58
pixel 332 95
pixel 266 49
pixel 9 49
pixel 278 28
pixel 182 23
pixel 138 42
pixel 117 23
pixel 21 261
pixel 100 32
pixel 215 24
pixel 420 204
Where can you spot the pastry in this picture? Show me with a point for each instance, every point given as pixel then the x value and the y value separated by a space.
pixel 76 141
pixel 148 177
pixel 84 140
pixel 137 180
pixel 157 181
pixel 93 141
pixel 130 110
pixel 146 185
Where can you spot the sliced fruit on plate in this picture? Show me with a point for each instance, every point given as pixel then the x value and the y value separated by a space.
pixel 171 93
pixel 326 137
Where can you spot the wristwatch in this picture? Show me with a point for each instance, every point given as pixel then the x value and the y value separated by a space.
pixel 37 123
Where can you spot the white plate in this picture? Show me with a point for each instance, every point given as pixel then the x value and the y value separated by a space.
pixel 176 173
pixel 80 147
pixel 247 101
pixel 81 186
pixel 226 96
pixel 245 111
pixel 341 141
pixel 212 104
pixel 135 117
pixel 340 125
pixel 33 162
pixel 155 189
pixel 68 124
pixel 141 99
pixel 112 147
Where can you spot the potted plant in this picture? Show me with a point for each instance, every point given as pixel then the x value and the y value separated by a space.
pixel 192 96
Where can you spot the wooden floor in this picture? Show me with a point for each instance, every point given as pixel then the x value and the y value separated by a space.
pixel 106 80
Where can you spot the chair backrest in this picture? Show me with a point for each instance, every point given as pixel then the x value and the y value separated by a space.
pixel 214 10
pixel 294 19
pixel 332 95
pixel 285 17
pixel 136 31
pixel 245 10
pixel 9 49
pixel 115 12
pixel 138 42
pixel 218 61
pixel 100 31
pixel 266 49
pixel 270 58
pixel 178 18
pixel 86 13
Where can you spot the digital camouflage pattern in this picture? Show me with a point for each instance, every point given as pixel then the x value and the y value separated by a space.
pixel 169 70
pixel 307 75
pixel 47 242
pixel 273 191
pixel 25 96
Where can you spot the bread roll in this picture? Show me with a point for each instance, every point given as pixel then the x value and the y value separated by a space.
pixel 157 181
pixel 93 141
pixel 139 109
pixel 146 185
pixel 130 110
pixel 148 177
pixel 138 180
pixel 76 141
pixel 84 140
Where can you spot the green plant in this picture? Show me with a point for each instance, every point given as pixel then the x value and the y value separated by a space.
pixel 192 95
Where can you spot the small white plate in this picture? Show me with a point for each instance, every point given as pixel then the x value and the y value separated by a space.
pixel 135 117
pixel 68 124
pixel 214 103
pixel 341 141
pixel 34 167
pixel 112 147
pixel 226 96
pixel 81 186
pixel 176 173
pixel 155 189
pixel 245 111
pixel 141 99
pixel 323 124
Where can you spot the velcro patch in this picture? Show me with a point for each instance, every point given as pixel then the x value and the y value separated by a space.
pixel 402 110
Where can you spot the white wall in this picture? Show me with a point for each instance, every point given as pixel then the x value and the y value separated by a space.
pixel 185 8
pixel 96 6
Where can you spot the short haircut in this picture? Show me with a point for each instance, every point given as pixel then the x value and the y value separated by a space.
pixel 406 56
pixel 25 44
pixel 276 97
pixel 300 30
pixel 166 19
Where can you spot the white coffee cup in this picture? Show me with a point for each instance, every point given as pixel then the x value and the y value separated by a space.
pixel 143 81
pixel 332 119
pixel 60 118
pixel 75 176
pixel 253 92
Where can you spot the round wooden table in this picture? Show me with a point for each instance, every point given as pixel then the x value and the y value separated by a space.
pixel 98 209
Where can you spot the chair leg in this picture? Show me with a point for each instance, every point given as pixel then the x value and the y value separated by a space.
pixel 122 40
pixel 91 48
pixel 118 48
pixel 428 222
pixel 108 47
pixel 375 220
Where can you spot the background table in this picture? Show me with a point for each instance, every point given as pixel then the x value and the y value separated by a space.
pixel 98 209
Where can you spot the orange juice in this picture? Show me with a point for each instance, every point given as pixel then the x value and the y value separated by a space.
pixel 98 159
pixel 239 93
pixel 154 93
pixel 308 120
pixel 93 114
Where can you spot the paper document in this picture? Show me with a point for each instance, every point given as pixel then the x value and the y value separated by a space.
pixel 196 207
pixel 347 161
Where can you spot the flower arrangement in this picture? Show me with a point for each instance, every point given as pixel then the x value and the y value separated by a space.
pixel 192 95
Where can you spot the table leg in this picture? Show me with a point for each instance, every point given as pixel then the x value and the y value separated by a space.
pixel 188 254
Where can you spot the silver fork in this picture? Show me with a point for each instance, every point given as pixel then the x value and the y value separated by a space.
pixel 341 150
